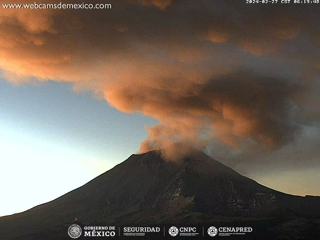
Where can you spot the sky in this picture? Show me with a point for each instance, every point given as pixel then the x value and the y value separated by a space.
pixel 82 90
pixel 51 144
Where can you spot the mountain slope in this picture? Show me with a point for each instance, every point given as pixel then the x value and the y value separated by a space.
pixel 146 189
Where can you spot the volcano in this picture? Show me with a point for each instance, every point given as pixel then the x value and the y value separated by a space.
pixel 147 190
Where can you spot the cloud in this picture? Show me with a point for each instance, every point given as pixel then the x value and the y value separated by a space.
pixel 230 107
pixel 211 70
pixel 162 4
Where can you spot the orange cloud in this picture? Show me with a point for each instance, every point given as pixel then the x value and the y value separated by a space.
pixel 162 4
pixel 179 64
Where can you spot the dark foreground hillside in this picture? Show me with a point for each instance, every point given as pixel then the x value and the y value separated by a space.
pixel 146 190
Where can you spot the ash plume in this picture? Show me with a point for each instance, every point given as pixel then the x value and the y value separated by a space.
pixel 205 69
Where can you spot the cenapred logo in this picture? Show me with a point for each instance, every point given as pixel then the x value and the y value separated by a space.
pixel 74 231
pixel 212 231
pixel 173 231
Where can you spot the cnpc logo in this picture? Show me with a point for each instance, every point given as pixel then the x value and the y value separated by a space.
pixel 174 231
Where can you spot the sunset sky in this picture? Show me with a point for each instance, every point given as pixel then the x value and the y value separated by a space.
pixel 82 90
